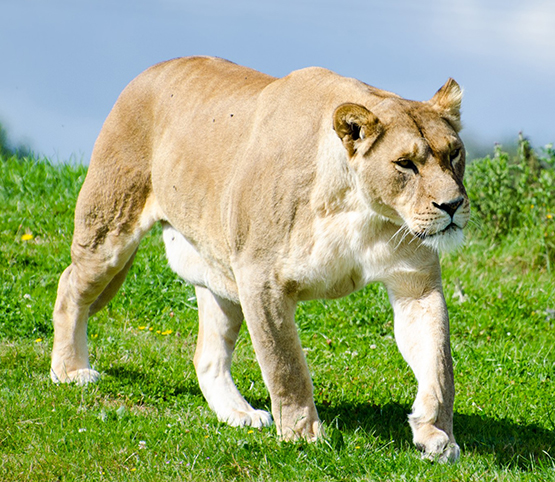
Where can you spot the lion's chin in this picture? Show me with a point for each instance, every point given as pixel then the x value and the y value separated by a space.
pixel 447 240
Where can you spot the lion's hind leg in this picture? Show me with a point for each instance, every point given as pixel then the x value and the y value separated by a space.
pixel 219 324
pixel 112 288
pixel 70 358
pixel 105 241
pixel 85 286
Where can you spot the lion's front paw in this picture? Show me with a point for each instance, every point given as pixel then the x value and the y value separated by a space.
pixel 437 447
pixel 82 376
pixel 449 453
pixel 251 418
pixel 309 430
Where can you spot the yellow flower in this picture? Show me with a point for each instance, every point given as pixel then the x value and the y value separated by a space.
pixel 94 336
pixel 167 332
pixel 26 237
pixel 142 327
pixel 250 431
pixel 38 340
pixel 550 216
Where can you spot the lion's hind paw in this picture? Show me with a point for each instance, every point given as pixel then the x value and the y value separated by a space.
pixel 83 376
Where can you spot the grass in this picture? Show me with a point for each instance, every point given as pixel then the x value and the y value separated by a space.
pixel 147 420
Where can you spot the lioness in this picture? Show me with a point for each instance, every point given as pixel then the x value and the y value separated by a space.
pixel 272 191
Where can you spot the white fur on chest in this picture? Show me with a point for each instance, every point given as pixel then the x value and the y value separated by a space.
pixel 349 250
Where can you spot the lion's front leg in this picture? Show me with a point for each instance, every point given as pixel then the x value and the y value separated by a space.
pixel 270 315
pixel 422 334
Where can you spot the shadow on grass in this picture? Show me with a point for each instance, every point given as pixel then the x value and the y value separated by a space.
pixel 142 387
pixel 512 445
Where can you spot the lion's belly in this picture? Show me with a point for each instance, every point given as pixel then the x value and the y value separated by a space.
pixel 332 288
pixel 187 262
pixel 337 278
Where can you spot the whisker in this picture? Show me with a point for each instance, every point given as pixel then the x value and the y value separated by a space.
pixel 479 225
pixel 406 232
pixel 403 232
pixel 419 237
pixel 395 234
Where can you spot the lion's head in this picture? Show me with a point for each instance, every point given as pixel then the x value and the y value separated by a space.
pixel 410 160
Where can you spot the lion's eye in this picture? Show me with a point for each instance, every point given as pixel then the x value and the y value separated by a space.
pixel 406 164
pixel 455 155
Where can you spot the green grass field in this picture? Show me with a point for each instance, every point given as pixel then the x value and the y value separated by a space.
pixel 147 420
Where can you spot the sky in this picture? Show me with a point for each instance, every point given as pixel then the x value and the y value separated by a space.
pixel 64 63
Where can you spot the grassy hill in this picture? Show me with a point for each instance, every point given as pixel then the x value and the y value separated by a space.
pixel 146 420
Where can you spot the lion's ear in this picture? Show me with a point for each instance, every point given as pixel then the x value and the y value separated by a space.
pixel 447 103
pixel 354 124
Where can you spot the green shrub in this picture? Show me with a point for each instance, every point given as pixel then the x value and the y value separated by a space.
pixel 514 197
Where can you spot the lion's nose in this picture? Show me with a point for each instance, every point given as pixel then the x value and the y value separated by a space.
pixel 451 206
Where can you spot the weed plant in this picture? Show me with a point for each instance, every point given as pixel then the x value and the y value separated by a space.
pixel 513 201
pixel 146 419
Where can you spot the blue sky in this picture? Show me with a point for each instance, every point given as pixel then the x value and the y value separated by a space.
pixel 65 62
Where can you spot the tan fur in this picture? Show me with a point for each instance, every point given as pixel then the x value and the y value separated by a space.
pixel 272 191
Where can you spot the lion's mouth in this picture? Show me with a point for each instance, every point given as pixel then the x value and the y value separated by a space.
pixel 446 239
pixel 448 229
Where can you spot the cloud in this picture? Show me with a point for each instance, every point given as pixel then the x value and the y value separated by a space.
pixel 507 31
